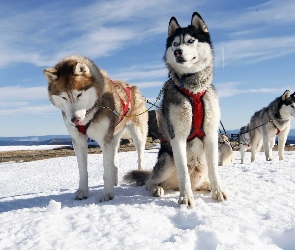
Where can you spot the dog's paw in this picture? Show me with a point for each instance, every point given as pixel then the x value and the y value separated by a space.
pixel 81 194
pixel 107 197
pixel 158 191
pixel 186 200
pixel 219 195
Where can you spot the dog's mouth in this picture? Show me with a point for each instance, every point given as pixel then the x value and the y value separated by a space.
pixel 77 122
pixel 181 59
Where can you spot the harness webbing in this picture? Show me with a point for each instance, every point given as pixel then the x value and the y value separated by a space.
pixel 198 113
pixel 83 128
pixel 125 104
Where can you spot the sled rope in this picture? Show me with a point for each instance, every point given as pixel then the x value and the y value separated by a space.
pixel 270 120
pixel 131 116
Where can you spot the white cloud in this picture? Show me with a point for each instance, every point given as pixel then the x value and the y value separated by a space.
pixel 267 15
pixel 231 89
pixel 17 93
pixel 249 51
pixel 140 75
pixel 42 35
pixel 30 110
pixel 12 104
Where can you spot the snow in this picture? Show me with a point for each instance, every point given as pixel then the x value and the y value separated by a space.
pixel 37 209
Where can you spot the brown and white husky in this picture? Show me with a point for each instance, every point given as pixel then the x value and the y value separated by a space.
pixel 87 96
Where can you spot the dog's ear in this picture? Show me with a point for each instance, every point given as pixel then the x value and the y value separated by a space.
pixel 173 25
pixel 198 22
pixel 50 74
pixel 81 69
pixel 286 95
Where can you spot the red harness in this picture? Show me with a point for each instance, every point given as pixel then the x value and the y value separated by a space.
pixel 125 104
pixel 83 128
pixel 198 113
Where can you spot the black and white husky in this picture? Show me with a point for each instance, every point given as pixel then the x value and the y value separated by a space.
pixel 188 118
pixel 275 118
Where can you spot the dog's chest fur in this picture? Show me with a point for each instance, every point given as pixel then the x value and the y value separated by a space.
pixel 176 112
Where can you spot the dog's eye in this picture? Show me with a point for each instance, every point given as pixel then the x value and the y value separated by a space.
pixel 176 44
pixel 64 98
pixel 190 41
pixel 78 96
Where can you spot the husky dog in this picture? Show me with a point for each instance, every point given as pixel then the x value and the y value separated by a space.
pixel 226 156
pixel 244 141
pixel 270 121
pixel 188 118
pixel 87 96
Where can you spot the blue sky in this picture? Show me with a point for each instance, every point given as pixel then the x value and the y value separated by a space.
pixel 254 44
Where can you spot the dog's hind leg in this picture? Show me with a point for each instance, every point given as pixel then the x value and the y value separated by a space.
pixel 117 138
pixel 139 135
pixel 163 175
pixel 255 141
pixel 243 149
pixel 267 148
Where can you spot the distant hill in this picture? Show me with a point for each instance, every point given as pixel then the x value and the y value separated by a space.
pixel 36 140
pixel 66 139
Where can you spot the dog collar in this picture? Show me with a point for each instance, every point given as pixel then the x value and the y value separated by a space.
pixel 198 113
pixel 83 128
pixel 278 131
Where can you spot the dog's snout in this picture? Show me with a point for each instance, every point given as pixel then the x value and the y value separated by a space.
pixel 74 119
pixel 178 52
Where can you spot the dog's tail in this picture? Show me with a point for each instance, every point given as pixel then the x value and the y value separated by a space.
pixel 138 176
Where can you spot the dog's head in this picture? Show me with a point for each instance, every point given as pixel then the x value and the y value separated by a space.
pixel 223 139
pixel 286 105
pixel 74 86
pixel 189 49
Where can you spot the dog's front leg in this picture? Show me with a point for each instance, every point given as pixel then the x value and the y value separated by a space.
pixel 211 154
pixel 81 150
pixel 282 138
pixel 109 170
pixel 180 157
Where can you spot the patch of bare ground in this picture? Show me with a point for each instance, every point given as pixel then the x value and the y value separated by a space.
pixel 35 155
pixel 125 145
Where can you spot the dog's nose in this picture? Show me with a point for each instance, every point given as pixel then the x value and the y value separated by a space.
pixel 75 119
pixel 178 52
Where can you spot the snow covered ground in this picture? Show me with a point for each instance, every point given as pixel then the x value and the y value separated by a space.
pixel 37 209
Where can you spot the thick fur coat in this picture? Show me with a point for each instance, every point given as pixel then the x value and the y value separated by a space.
pixel 182 165
pixel 87 98
pixel 226 155
pixel 270 121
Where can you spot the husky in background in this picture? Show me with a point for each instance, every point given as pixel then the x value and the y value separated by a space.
pixel 188 118
pixel 226 156
pixel 276 118
pixel 87 96
pixel 244 141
